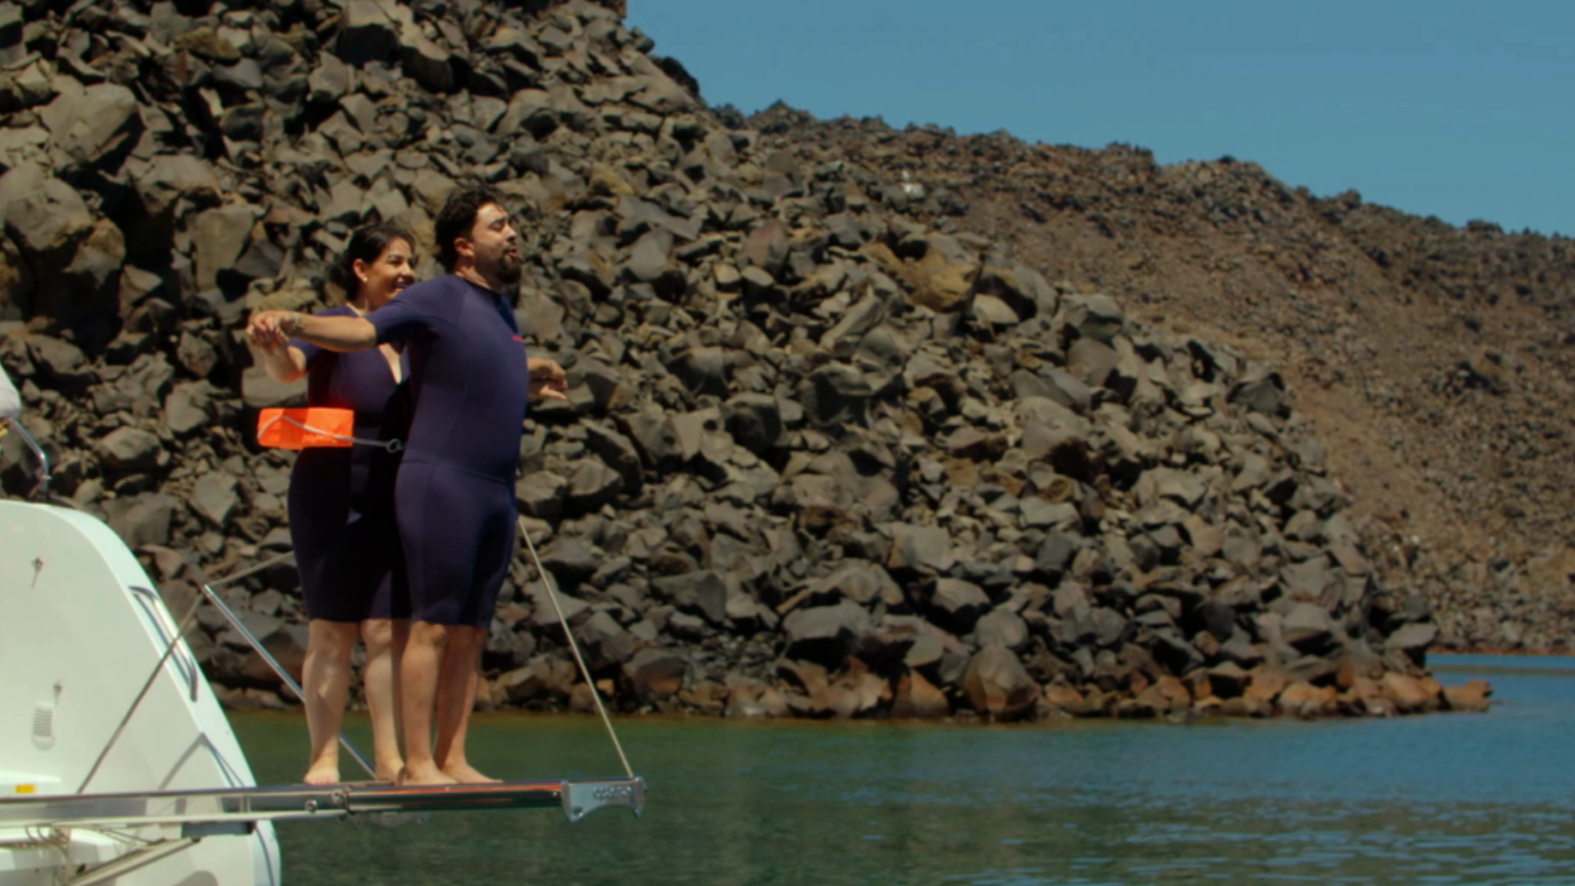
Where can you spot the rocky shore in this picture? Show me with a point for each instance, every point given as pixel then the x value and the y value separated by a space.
pixel 825 455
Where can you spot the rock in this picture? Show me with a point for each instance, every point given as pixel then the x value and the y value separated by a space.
pixel 1302 699
pixel 918 699
pixel 653 675
pixel 542 678
pixel 957 604
pixel 826 635
pixel 1408 693
pixel 369 31
pixel 755 421
pixel 997 684
pixel 130 449
pixel 1413 639
pixel 541 494
pixel 1228 680
pixel 218 238
pixel 1307 626
pixel 142 519
pixel 94 125
pixel 702 592
pixel 569 560
pixel 1472 697
pixel 43 215
pixel 605 642
pixel 214 498
pixel 592 485
pixel 1003 628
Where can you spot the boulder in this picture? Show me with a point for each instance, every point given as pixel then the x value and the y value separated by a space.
pixel 997 684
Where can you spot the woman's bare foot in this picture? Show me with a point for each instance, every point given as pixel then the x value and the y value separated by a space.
pixel 418 775
pixel 389 772
pixel 322 772
pixel 464 773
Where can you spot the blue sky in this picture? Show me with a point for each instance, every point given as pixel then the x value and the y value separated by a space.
pixel 1448 108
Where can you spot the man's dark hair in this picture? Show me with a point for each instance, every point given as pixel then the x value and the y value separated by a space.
pixel 458 217
pixel 366 245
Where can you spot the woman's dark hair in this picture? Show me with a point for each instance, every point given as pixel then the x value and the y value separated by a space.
pixel 366 245
pixel 458 217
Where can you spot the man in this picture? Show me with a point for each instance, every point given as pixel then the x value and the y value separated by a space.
pixel 454 497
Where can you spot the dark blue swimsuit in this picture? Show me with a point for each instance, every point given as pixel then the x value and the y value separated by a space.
pixel 342 499
pixel 455 494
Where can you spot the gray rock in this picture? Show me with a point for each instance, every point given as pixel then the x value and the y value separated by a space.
pixel 605 642
pixel 755 421
pixel 619 453
pixel 591 485
pixel 1004 628
pixel 213 497
pixel 219 236
pixel 1094 317
pixel 826 635
pixel 93 125
pixel 1307 627
pixel 956 604
pixel 142 519
pixel 129 449
pixel 701 592
pixel 368 31
pixel 569 560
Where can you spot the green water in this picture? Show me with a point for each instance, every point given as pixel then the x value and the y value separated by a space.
pixel 1437 800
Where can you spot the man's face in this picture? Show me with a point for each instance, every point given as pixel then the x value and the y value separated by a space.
pixel 496 244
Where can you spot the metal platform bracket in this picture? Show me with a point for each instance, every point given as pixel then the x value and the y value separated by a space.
pixel 212 812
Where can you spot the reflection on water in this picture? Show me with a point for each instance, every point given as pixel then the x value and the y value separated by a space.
pixel 1445 799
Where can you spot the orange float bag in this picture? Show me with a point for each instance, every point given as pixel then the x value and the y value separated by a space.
pixel 302 428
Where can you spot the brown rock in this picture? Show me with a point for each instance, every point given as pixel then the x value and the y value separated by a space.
pixel 1472 697
pixel 917 698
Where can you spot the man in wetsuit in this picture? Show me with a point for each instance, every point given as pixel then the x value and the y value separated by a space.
pixel 454 498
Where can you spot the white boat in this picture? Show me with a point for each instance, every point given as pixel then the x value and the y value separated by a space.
pixel 117 764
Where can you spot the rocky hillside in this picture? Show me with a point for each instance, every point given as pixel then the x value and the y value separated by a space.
pixel 1433 362
pixel 825 453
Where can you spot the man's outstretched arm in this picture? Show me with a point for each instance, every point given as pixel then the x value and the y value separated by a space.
pixel 330 333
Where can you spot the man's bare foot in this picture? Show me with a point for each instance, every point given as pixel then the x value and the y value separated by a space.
pixel 322 772
pixel 418 775
pixel 389 772
pixel 464 773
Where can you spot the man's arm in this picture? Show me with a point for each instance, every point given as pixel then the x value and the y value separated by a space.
pixel 329 333
pixel 547 379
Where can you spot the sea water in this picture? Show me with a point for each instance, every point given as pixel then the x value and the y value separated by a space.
pixel 1453 798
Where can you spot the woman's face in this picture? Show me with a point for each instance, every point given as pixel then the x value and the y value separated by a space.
pixel 385 276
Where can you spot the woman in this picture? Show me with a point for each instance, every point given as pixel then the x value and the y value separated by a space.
pixel 342 510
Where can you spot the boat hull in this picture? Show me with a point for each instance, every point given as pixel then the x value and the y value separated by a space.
pixel 81 630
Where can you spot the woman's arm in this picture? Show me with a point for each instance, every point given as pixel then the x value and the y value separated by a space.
pixel 284 364
pixel 329 333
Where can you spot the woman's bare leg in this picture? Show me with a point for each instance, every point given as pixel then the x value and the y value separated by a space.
pixel 326 682
pixel 385 644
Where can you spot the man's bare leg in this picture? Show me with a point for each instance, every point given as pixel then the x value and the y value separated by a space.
pixel 456 699
pixel 385 641
pixel 418 681
pixel 326 679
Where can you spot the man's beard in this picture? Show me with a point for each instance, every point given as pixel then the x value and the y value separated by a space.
pixel 506 267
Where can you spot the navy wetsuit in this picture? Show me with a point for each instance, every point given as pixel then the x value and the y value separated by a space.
pixel 455 494
pixel 342 499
